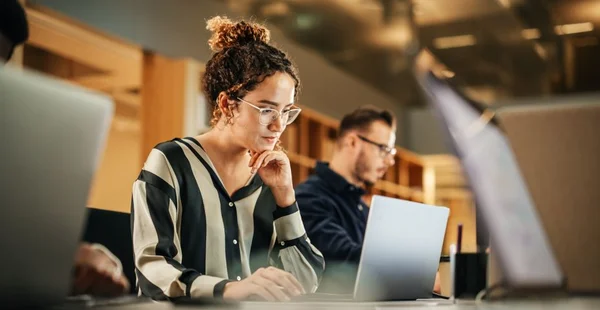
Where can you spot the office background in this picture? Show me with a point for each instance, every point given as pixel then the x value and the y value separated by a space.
pixel 148 55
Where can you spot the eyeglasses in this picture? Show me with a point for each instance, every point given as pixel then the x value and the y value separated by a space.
pixel 384 150
pixel 268 115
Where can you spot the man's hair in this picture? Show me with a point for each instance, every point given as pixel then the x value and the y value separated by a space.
pixel 13 22
pixel 362 118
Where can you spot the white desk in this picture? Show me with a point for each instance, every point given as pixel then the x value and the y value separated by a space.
pixel 546 304
pixel 551 304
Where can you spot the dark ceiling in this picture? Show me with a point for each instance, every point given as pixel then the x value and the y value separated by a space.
pixel 494 49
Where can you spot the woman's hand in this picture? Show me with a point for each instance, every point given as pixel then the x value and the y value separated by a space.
pixel 269 284
pixel 96 273
pixel 274 169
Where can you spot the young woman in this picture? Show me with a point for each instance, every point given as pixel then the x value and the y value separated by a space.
pixel 216 214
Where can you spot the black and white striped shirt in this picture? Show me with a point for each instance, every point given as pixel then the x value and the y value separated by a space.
pixel 190 237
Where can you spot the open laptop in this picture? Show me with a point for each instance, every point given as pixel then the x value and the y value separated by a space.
pixel 517 234
pixel 401 250
pixel 52 136
pixel 400 254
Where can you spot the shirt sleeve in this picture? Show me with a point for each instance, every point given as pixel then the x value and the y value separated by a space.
pixel 293 251
pixel 157 251
pixel 325 231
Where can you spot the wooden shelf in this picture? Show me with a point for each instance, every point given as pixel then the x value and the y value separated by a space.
pixel 450 190
pixel 117 64
pixel 301 160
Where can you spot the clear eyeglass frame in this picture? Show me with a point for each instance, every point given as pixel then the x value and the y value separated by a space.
pixel 269 115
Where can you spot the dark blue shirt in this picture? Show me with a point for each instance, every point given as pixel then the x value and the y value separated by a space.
pixel 335 218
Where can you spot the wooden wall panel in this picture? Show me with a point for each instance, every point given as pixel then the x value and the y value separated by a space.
pixel 120 166
pixel 168 87
pixel 68 39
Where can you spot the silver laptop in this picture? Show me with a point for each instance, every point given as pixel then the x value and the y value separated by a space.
pixel 401 250
pixel 52 136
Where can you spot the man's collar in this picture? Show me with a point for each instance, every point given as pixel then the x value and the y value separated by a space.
pixel 336 181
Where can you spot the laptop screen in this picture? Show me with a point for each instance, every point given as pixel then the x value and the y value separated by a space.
pixel 517 235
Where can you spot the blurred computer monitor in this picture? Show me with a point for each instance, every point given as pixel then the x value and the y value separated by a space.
pixel 518 238
pixel 557 145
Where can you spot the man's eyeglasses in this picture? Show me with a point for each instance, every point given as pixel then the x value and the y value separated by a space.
pixel 268 115
pixel 384 150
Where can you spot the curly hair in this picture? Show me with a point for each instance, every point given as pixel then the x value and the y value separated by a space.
pixel 242 59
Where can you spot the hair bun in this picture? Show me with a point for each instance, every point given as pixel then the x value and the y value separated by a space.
pixel 227 33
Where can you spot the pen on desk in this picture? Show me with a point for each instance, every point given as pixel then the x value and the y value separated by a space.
pixel 459 238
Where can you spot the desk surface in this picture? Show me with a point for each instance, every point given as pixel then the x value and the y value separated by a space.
pixel 569 303
pixel 574 304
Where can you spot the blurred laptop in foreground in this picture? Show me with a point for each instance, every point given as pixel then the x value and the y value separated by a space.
pixel 53 135
pixel 520 194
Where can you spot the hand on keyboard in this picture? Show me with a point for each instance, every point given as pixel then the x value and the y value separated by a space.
pixel 271 284
pixel 97 274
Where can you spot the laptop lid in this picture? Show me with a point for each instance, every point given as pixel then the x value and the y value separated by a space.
pixel 401 250
pixel 556 143
pixel 52 135
pixel 517 235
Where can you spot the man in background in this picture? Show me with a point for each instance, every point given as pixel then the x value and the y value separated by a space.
pixel 96 270
pixel 330 201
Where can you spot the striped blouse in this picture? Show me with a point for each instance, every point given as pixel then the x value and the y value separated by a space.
pixel 190 237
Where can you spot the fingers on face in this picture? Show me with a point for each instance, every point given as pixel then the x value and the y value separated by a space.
pixel 260 160
pixel 253 158
pixel 270 158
